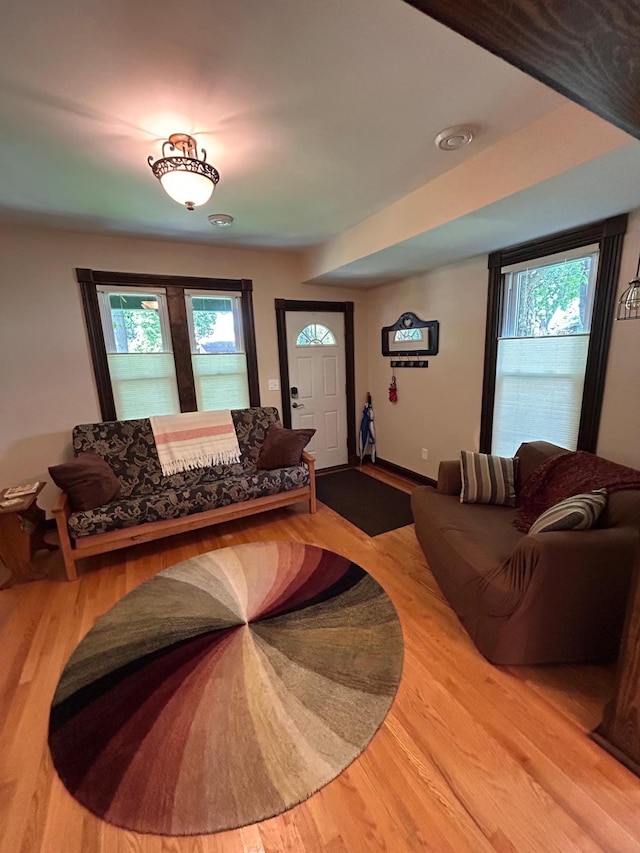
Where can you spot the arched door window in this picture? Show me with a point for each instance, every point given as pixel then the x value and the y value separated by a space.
pixel 315 334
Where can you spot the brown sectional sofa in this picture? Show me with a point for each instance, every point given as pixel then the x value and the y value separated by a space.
pixel 529 599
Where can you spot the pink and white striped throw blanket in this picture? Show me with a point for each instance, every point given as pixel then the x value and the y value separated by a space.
pixel 195 440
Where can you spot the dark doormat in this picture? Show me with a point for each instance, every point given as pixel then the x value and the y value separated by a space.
pixel 368 503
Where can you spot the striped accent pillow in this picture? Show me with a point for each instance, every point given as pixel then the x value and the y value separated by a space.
pixel 579 512
pixel 487 479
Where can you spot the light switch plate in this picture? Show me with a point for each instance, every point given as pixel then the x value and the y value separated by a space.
pixel 274 385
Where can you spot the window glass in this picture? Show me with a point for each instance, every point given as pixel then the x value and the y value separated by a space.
pixel 215 324
pixel 550 299
pixel 407 335
pixel 135 322
pixel 316 334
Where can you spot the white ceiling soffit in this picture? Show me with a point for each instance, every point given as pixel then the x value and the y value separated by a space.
pixel 567 169
pixel 517 219
pixel 317 115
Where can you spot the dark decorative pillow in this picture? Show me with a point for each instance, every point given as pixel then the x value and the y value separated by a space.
pixel 88 481
pixel 487 479
pixel 579 512
pixel 283 448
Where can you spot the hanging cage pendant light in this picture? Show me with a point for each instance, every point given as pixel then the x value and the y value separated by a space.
pixel 186 177
pixel 629 302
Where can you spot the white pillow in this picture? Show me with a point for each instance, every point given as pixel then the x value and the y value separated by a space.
pixel 579 512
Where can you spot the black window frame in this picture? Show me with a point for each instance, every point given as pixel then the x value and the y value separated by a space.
pixel 609 235
pixel 174 287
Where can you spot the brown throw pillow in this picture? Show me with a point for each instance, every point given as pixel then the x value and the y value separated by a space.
pixel 283 448
pixel 88 481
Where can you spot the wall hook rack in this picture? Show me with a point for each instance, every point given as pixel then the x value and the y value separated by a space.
pixel 409 363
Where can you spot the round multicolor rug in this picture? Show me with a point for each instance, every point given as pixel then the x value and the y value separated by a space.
pixel 226 689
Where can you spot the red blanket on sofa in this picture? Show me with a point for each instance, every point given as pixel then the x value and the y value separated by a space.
pixel 569 474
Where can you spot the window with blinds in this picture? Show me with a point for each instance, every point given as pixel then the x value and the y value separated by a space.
pixel 217 350
pixel 143 369
pixel 164 344
pixel 542 350
pixel 139 354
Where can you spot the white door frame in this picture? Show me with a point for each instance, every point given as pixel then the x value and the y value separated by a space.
pixel 346 308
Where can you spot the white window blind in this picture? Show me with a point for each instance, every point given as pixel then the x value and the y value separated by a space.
pixel 539 386
pixel 221 381
pixel 144 384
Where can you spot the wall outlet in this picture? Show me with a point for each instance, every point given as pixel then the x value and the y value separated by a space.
pixel 274 385
pixel 425 453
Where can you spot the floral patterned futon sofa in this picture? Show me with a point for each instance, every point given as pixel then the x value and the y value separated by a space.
pixel 151 505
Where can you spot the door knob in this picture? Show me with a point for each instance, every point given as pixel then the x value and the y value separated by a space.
pixel 298 405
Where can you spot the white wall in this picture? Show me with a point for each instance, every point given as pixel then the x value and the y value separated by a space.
pixel 438 407
pixel 619 437
pixel 46 378
pixel 47 384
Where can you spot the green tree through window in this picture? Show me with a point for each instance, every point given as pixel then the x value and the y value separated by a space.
pixel 136 323
pixel 203 323
pixel 553 299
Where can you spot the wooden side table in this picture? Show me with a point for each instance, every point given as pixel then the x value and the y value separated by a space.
pixel 22 531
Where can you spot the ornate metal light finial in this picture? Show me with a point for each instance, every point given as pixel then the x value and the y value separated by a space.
pixel 187 177
pixel 629 302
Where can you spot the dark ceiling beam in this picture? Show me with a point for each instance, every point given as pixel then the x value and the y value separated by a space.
pixel 585 49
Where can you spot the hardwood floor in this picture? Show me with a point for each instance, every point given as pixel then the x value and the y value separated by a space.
pixel 470 758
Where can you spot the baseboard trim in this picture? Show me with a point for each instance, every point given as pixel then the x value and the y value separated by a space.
pixel 333 469
pixel 405 472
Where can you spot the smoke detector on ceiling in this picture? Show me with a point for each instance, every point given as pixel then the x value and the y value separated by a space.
pixel 220 220
pixel 453 138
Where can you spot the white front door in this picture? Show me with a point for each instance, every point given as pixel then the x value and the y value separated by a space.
pixel 317 381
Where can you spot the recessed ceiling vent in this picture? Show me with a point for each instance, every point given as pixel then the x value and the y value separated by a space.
pixel 453 138
pixel 220 220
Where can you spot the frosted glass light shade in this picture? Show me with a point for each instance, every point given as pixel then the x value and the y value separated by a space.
pixel 187 188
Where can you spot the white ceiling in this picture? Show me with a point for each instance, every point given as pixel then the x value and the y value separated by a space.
pixel 317 114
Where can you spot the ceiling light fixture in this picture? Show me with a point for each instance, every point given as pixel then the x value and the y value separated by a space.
pixel 220 220
pixel 453 138
pixel 629 302
pixel 186 177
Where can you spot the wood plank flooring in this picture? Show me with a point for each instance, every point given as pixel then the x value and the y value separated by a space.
pixel 470 758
